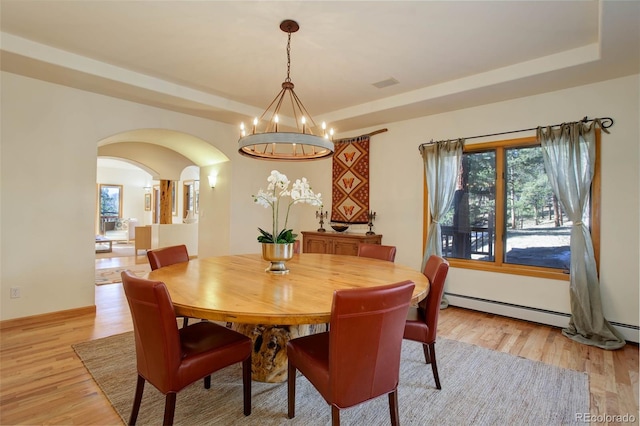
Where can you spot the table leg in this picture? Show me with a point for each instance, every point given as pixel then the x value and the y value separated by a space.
pixel 270 347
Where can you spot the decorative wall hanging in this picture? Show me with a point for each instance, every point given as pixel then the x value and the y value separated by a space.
pixel 350 193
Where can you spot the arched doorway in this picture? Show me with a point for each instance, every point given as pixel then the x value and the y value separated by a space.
pixel 147 157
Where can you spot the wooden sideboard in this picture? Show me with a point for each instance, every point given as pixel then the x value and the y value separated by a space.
pixel 336 242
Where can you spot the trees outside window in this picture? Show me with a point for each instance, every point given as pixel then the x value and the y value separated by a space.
pixel 504 216
pixel 110 204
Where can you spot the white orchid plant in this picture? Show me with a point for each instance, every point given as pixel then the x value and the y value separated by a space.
pixel 278 189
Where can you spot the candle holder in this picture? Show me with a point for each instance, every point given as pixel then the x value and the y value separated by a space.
pixel 372 216
pixel 322 217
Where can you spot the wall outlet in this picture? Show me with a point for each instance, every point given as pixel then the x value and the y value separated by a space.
pixel 14 292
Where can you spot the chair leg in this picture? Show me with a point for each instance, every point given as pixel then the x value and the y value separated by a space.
pixel 434 367
pixel 393 408
pixel 246 385
pixel 291 390
pixel 207 382
pixel 335 416
pixel 427 355
pixel 169 409
pixel 137 400
pixel 185 322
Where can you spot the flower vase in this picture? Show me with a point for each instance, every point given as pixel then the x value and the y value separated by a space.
pixel 277 254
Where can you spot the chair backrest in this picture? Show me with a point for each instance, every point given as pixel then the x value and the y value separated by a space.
pixel 296 247
pixel 365 341
pixel 377 251
pixel 167 256
pixel 158 351
pixel 436 271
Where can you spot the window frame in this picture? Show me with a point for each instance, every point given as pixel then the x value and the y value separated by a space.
pixel 99 213
pixel 188 197
pixel 497 265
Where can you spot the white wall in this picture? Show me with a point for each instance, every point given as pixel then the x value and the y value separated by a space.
pixel 49 136
pixel 48 178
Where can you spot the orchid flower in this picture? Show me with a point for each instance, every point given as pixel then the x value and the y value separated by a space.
pixel 278 188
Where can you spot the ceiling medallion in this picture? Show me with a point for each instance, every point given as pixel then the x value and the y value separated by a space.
pixel 295 144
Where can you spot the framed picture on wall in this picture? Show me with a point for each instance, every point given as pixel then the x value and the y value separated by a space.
pixel 147 202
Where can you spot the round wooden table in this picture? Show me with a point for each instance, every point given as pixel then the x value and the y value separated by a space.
pixel 273 308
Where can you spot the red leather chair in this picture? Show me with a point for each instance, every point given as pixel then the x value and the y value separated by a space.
pixel 166 256
pixel 377 251
pixel 171 358
pixel 358 359
pixel 422 321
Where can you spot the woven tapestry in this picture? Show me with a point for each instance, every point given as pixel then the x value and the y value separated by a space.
pixel 350 193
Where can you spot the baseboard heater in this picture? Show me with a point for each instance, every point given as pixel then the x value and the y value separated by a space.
pixel 631 333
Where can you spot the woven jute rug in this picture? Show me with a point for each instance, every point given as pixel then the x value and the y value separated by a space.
pixel 479 387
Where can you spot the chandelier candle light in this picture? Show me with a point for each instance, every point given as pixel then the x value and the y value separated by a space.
pixel 277 245
pixel 273 144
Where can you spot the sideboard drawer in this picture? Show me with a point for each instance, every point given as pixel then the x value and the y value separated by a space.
pixel 336 242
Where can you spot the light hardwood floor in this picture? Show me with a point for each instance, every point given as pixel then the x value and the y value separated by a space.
pixel 43 382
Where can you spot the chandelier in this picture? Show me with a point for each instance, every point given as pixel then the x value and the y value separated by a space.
pixel 274 143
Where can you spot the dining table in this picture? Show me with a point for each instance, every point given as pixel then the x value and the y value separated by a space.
pixel 273 308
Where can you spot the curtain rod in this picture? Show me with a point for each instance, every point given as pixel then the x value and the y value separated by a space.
pixel 606 122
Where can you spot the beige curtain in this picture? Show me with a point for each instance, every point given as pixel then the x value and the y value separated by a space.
pixel 441 165
pixel 569 158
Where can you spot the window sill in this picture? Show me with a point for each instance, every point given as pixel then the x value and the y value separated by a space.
pixel 531 271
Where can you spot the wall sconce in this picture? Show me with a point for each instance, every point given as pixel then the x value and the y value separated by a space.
pixel 213 179
pixel 147 189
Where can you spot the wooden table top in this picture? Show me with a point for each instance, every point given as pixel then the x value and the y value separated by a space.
pixel 237 289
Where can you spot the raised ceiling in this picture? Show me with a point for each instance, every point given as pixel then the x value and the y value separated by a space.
pixel 225 60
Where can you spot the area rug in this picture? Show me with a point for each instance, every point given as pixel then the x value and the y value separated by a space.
pixel 112 275
pixel 479 387
pixel 120 250
pixel 350 189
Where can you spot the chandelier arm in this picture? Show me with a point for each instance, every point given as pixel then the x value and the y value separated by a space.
pixel 303 109
pixel 277 98
pixel 276 111
pixel 292 97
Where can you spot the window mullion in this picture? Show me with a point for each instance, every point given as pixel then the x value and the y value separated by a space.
pixel 500 206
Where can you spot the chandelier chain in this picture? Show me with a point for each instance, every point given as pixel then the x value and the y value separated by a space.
pixel 288 79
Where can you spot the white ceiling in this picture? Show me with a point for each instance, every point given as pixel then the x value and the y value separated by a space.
pixel 225 60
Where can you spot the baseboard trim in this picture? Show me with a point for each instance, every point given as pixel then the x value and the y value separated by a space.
pixel 51 316
pixel 631 333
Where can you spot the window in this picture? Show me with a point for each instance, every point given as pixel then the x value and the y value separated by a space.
pixel 189 198
pixel 504 216
pixel 110 206
pixel 174 199
pixel 155 204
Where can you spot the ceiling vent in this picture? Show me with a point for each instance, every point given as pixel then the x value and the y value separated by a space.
pixel 385 83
